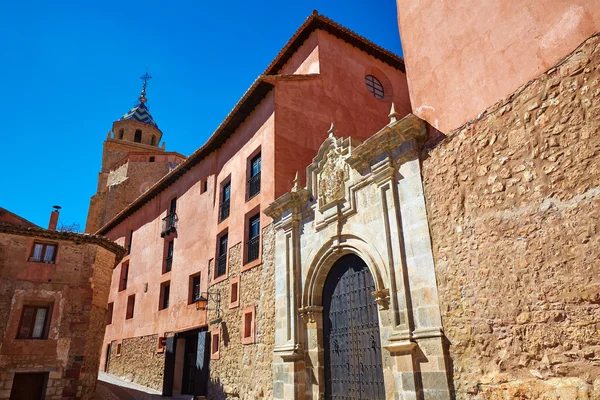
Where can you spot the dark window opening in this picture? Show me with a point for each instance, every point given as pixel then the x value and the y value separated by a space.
pixel 169 257
pixel 34 323
pixel 138 136
pixel 43 252
pixel 374 86
pixel 109 313
pixel 130 306
pixel 254 181
pixel 166 289
pixel 222 259
pixel 224 212
pixel 129 241
pixel 124 276
pixel 153 140
pixel 152 159
pixel 195 288
pixel 253 238
pixel 121 133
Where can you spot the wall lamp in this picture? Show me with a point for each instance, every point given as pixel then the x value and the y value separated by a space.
pixel 205 297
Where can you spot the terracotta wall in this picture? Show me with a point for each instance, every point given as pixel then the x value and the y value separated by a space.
pixel 513 201
pixel 462 57
pixel 195 242
pixel 305 109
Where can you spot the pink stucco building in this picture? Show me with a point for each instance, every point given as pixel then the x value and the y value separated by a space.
pixel 199 233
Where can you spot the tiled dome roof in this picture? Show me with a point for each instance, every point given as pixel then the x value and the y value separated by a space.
pixel 140 113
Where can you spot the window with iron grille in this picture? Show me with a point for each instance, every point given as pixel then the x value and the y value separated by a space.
pixel 169 256
pixel 254 181
pixel 222 259
pixel 34 321
pixel 224 208
pixel 43 252
pixel 374 86
pixel 253 244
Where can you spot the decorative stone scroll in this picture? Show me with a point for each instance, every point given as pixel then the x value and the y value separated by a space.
pixel 382 298
pixel 308 313
pixel 331 179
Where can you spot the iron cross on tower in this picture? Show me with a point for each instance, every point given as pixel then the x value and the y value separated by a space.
pixel 145 78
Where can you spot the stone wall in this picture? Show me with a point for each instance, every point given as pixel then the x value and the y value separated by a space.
pixel 244 370
pixel 139 361
pixel 513 201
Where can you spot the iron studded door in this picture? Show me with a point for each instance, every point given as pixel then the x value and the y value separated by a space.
pixel 353 366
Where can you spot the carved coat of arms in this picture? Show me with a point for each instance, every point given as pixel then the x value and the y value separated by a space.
pixel 331 179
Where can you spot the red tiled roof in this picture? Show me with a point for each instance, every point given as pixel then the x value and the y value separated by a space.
pixel 253 96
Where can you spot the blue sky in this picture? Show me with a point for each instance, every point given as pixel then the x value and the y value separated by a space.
pixel 69 69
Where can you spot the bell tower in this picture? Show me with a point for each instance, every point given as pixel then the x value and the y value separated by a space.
pixel 132 162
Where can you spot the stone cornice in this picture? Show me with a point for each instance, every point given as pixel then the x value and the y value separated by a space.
pixel 296 198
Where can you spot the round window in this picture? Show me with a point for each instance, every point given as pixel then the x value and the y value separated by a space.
pixel 374 86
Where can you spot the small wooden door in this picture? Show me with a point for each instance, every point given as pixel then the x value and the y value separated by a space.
pixel 29 386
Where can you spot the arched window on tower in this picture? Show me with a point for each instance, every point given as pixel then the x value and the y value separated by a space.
pixel 121 133
pixel 138 136
pixel 153 140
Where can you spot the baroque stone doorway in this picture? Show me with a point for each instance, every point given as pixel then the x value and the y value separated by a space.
pixel 353 362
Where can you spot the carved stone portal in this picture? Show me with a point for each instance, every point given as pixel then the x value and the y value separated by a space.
pixel 331 179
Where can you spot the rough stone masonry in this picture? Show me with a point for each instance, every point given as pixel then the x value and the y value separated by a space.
pixel 513 200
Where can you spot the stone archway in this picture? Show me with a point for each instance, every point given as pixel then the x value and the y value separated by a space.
pixel 352 350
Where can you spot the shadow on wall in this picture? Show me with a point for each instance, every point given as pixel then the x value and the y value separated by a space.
pixel 217 392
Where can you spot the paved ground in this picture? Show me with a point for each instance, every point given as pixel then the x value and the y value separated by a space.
pixel 111 388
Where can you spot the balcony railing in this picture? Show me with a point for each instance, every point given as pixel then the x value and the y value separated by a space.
pixel 224 211
pixel 221 265
pixel 254 185
pixel 168 264
pixel 253 248
pixel 169 224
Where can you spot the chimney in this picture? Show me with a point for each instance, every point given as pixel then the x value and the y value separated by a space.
pixel 53 218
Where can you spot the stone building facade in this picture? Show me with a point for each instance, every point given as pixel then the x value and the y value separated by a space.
pixel 513 201
pixel 53 293
pixel 362 212
pixel 194 299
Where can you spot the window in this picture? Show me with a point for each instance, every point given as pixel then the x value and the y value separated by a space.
pixel 169 256
pixel 124 276
pixel 165 291
pixel 204 186
pixel 173 206
pixel 129 241
pixel 170 221
pixel 374 86
pixel 194 288
pixel 254 181
pixel 109 313
pixel 118 349
pixel 152 159
pixel 214 344
pixel 153 140
pixel 43 252
pixel 34 322
pixel 222 258
pixel 130 306
pixel 138 136
pixel 253 244
pixel 226 195
pixel 121 133
pixel 234 292
pixel 248 325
